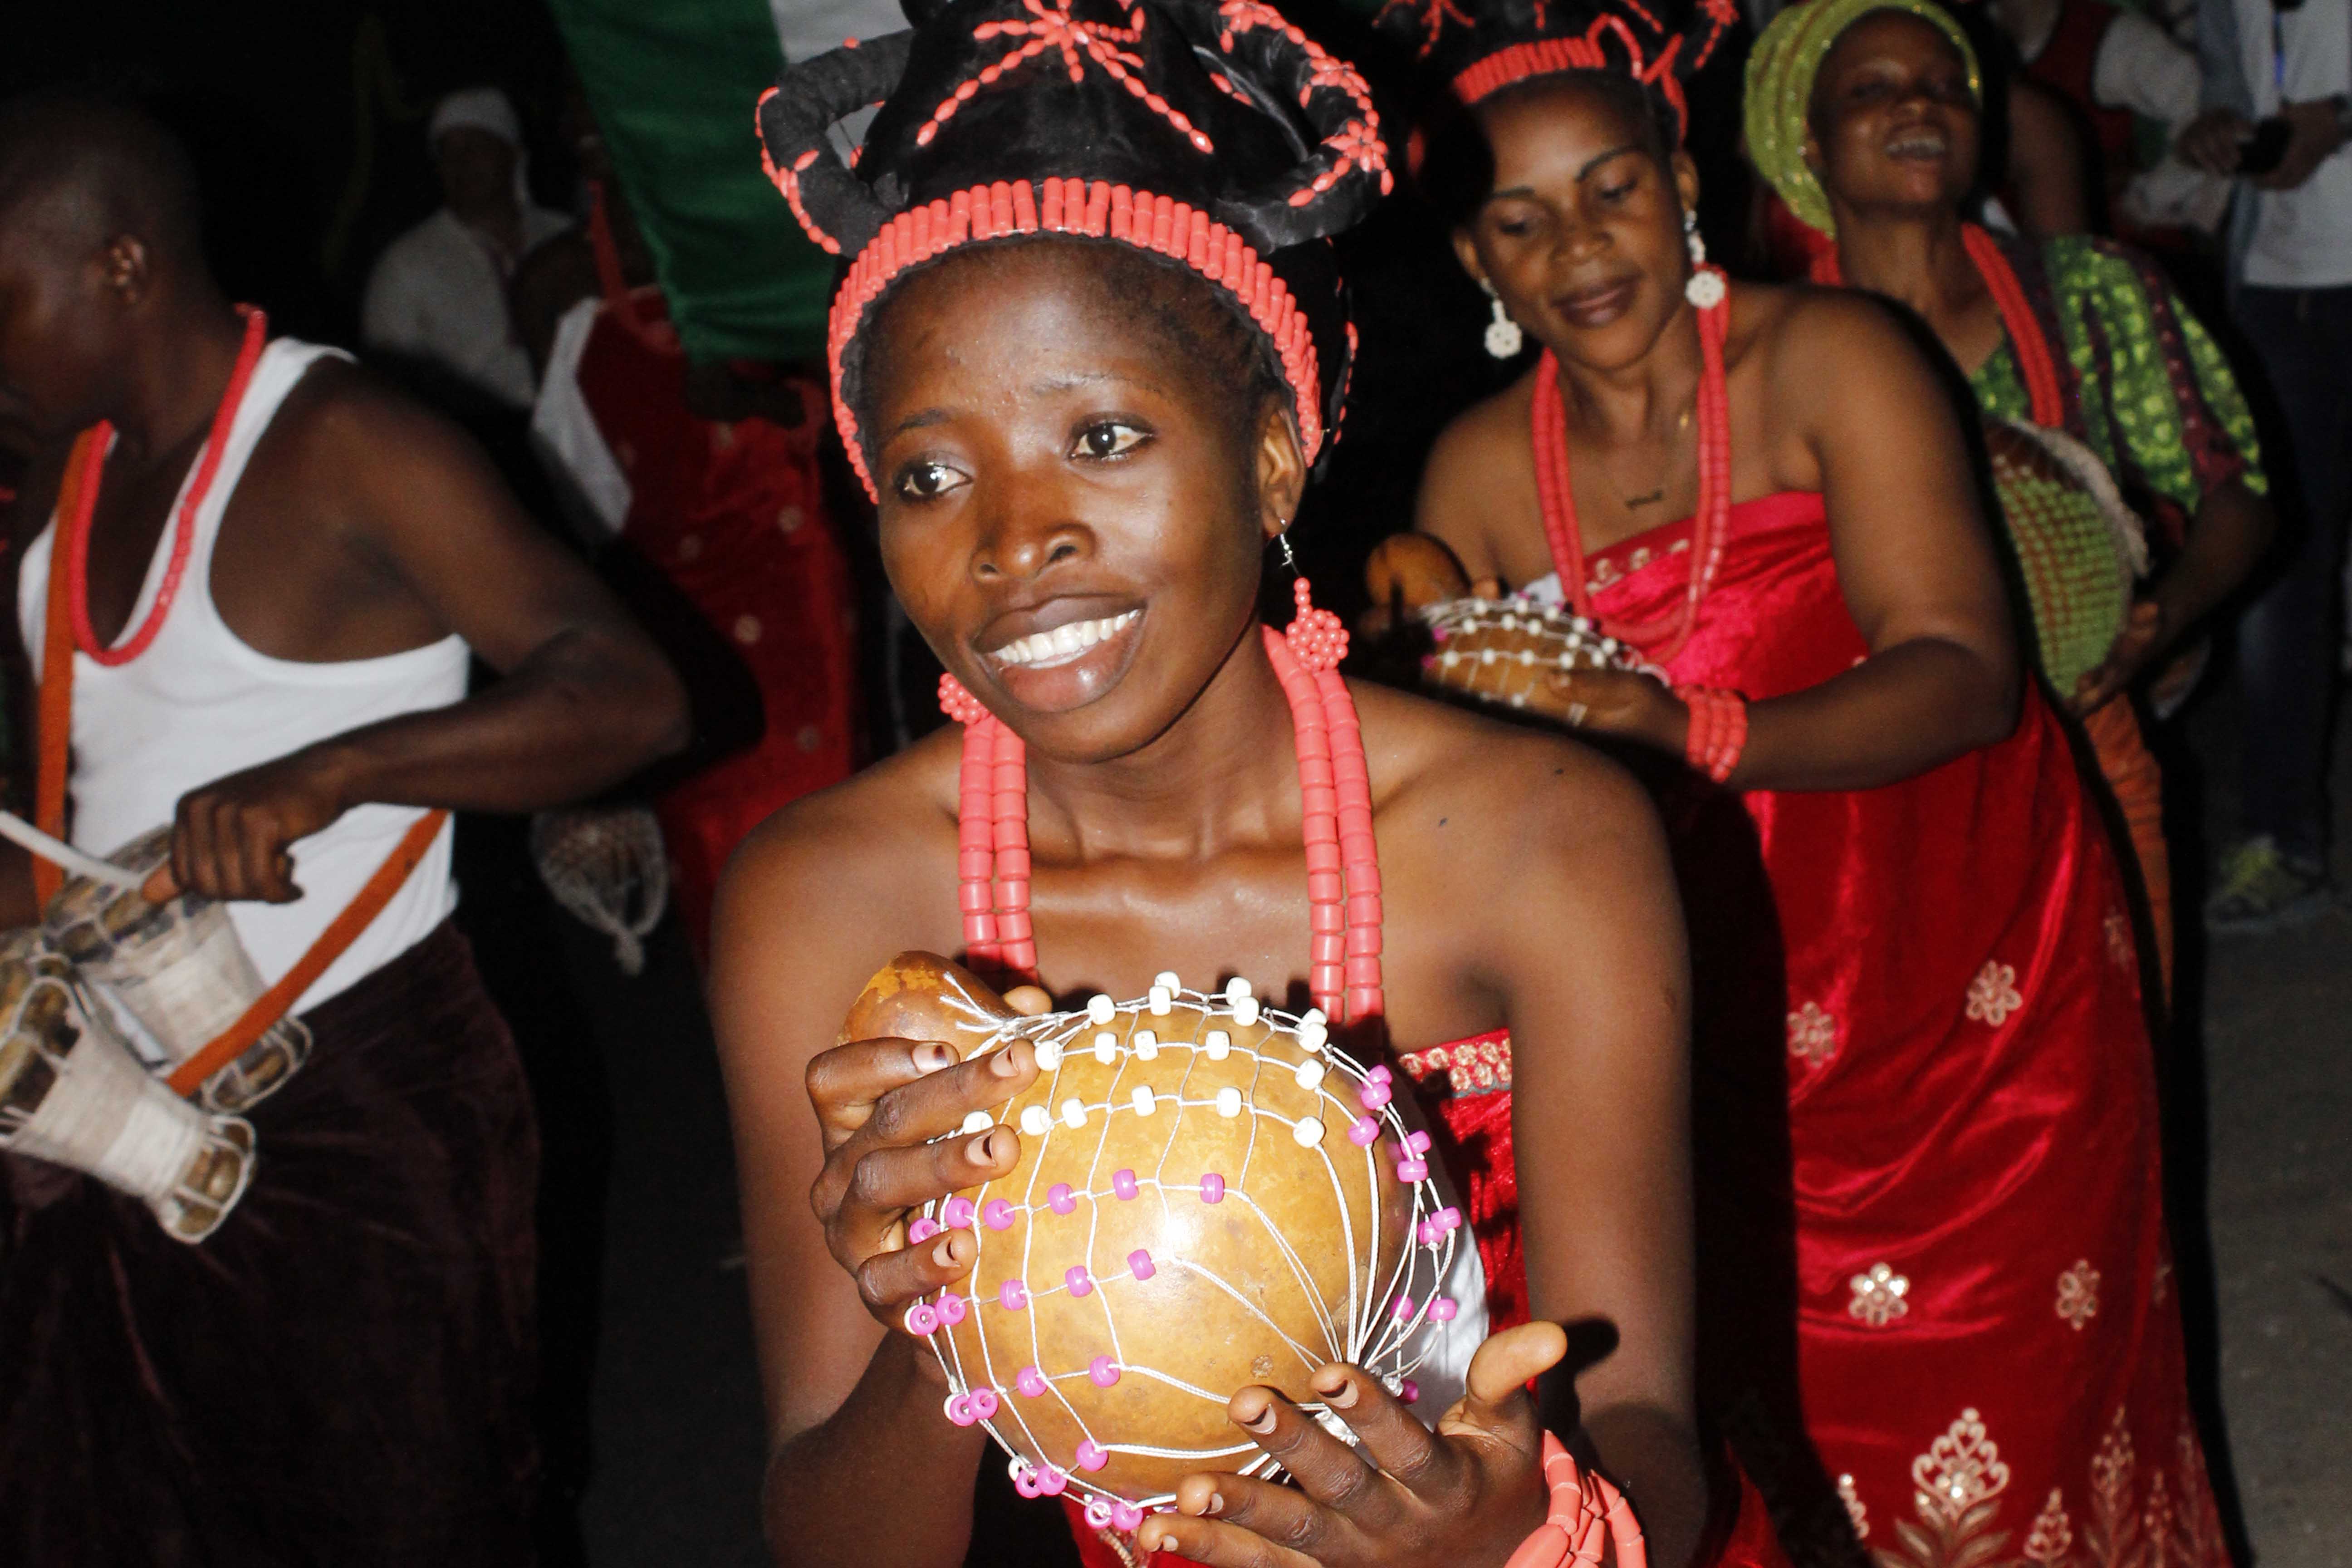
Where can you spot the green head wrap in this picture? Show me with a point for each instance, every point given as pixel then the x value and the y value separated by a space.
pixel 1780 72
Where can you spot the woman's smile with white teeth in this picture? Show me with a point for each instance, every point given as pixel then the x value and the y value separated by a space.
pixel 1041 650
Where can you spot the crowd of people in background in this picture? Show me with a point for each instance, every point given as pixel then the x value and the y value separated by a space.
pixel 1958 559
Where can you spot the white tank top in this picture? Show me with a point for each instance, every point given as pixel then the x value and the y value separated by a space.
pixel 199 704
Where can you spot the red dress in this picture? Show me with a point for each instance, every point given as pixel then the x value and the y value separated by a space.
pixel 734 515
pixel 1926 1122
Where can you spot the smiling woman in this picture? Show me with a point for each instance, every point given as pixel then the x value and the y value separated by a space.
pixel 1936 1128
pixel 1089 345
pixel 1864 116
pixel 1138 389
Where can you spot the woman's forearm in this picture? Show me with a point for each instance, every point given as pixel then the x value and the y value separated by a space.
pixel 1898 713
pixel 2227 540
pixel 885 1479
pixel 1655 1457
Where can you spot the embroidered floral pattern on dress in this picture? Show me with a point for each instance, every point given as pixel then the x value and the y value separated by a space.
pixel 2172 1524
pixel 1878 1296
pixel 1471 1067
pixel 1812 1035
pixel 2052 1535
pixel 1604 571
pixel 1993 994
pixel 1855 1510
pixel 2078 1294
pixel 1956 1495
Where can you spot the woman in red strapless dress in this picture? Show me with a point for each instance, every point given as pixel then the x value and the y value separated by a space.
pixel 1936 1304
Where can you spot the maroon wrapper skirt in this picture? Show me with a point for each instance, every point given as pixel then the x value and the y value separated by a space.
pixel 342 1374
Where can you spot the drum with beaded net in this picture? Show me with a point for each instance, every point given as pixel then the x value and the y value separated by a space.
pixel 72 1093
pixel 179 968
pixel 1210 1195
pixel 2079 547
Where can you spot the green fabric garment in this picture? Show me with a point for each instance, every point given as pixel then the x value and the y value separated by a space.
pixel 2151 394
pixel 673 84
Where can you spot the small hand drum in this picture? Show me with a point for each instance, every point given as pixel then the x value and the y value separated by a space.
pixel 72 1093
pixel 2079 548
pixel 1209 1196
pixel 179 968
pixel 1502 650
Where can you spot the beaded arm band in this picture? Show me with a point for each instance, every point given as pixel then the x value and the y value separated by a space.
pixel 1719 730
pixel 1583 1506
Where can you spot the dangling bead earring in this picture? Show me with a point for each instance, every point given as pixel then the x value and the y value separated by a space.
pixel 1503 339
pixel 1318 638
pixel 1703 288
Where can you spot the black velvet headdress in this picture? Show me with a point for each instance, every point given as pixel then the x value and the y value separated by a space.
pixel 1215 134
pixel 1480 46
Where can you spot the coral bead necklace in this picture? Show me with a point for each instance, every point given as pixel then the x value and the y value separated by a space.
pixel 1662 638
pixel 1343 871
pixel 76 543
pixel 2036 366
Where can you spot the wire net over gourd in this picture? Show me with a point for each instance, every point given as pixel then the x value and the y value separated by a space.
pixel 1210 1195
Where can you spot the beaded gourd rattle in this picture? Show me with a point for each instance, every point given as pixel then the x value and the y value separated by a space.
pixel 1210 1195
pixel 1498 650
pixel 2079 547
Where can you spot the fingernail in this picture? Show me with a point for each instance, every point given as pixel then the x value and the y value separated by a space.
pixel 1343 1397
pixel 1262 1422
pixel 931 1056
pixel 943 1254
pixel 1216 1504
pixel 978 1152
pixel 1004 1064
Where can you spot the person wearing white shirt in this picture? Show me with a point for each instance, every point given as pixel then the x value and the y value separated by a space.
pixel 438 293
pixel 2288 63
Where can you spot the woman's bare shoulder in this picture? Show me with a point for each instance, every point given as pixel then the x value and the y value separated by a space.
pixel 872 843
pixel 1798 324
pixel 1528 791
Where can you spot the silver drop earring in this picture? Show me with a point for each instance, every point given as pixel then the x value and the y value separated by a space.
pixel 1282 542
pixel 1503 339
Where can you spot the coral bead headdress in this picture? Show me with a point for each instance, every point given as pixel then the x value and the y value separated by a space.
pixel 1481 47
pixel 1213 133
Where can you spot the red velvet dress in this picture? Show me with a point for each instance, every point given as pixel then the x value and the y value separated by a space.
pixel 1927 1124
